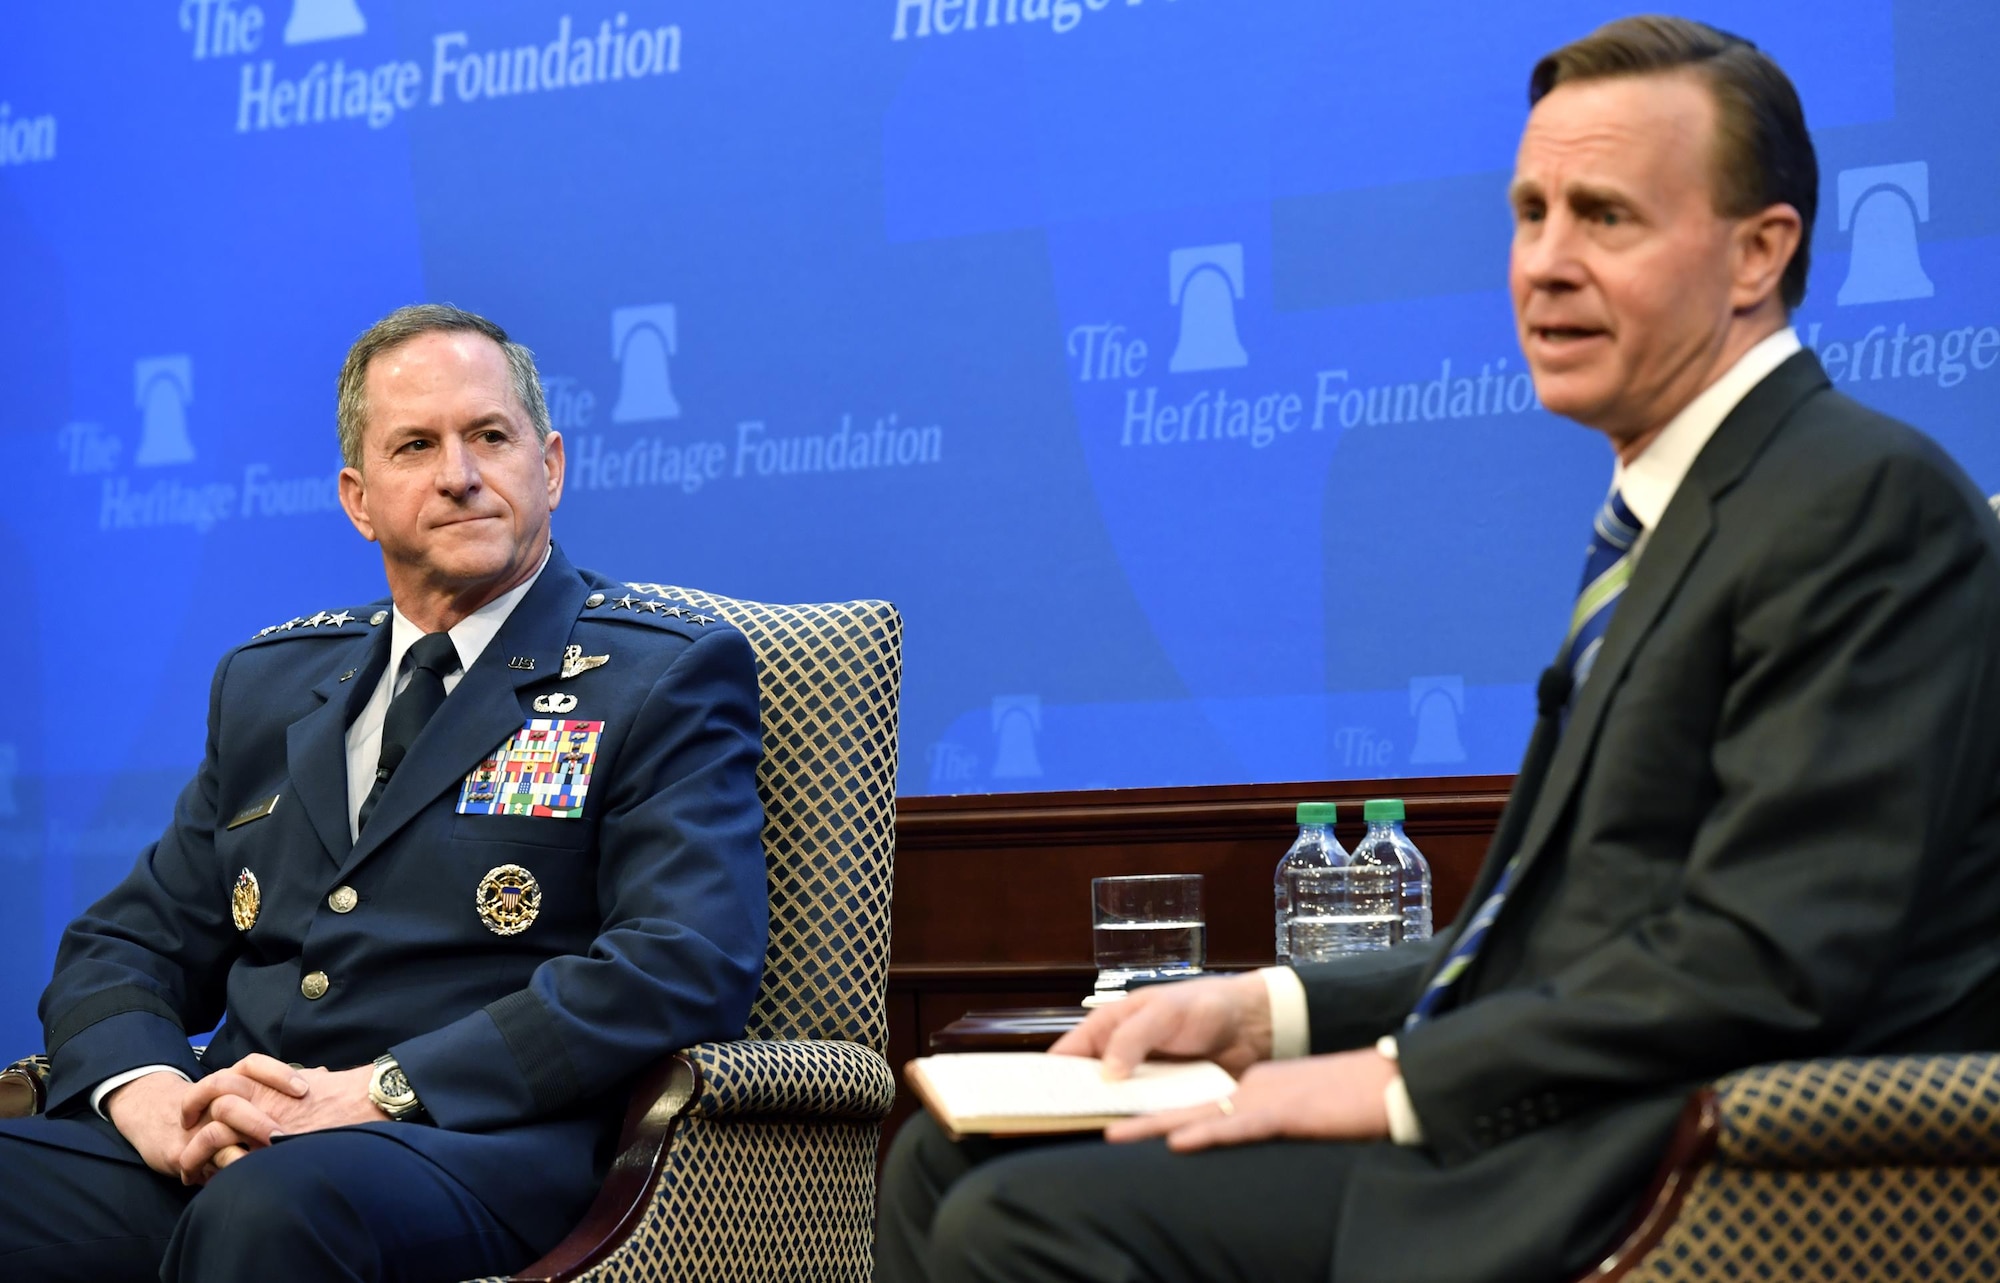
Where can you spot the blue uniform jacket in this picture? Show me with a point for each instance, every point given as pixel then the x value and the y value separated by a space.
pixel 650 929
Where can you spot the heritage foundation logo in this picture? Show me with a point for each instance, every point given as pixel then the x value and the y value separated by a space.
pixel 1206 283
pixel 163 386
pixel 642 338
pixel 1881 206
pixel 313 20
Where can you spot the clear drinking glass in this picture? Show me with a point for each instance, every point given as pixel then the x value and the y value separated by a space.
pixel 1146 928
pixel 1352 908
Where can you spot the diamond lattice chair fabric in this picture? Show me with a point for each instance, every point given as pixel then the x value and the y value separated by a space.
pixel 1878 1168
pixel 755 1159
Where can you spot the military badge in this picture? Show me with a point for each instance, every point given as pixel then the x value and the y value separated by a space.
pixel 575 661
pixel 555 702
pixel 509 900
pixel 245 900
pixel 543 770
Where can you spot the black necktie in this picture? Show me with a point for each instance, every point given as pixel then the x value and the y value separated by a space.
pixel 431 659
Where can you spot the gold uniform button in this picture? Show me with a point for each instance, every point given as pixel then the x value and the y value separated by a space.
pixel 343 900
pixel 314 985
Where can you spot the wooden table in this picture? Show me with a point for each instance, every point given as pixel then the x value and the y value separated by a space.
pixel 1007 1029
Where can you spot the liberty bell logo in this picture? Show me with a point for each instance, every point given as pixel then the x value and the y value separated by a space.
pixel 1437 703
pixel 1205 283
pixel 313 20
pixel 163 386
pixel 1017 720
pixel 1882 205
pixel 642 338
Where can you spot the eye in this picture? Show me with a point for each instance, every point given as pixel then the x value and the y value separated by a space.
pixel 1610 217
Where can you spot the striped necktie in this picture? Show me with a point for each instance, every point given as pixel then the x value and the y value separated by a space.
pixel 1607 568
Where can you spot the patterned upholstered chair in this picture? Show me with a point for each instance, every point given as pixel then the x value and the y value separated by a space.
pixel 755 1160
pixel 1876 1168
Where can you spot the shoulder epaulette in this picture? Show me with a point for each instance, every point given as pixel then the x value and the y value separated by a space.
pixel 642 604
pixel 325 623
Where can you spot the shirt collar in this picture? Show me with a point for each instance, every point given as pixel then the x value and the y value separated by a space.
pixel 1648 482
pixel 469 636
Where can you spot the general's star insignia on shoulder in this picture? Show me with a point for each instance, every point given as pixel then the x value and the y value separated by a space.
pixel 334 619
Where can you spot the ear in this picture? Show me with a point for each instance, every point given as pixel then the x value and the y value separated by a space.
pixel 1764 245
pixel 554 462
pixel 354 501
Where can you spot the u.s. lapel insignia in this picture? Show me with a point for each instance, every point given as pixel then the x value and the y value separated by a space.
pixel 575 661
pixel 245 900
pixel 522 663
pixel 555 702
pixel 509 900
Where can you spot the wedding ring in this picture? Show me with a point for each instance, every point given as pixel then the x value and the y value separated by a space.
pixel 1226 1105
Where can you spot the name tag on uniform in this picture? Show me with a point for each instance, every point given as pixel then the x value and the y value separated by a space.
pixel 543 770
pixel 254 811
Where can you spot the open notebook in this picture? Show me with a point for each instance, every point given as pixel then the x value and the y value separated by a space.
pixel 1022 1093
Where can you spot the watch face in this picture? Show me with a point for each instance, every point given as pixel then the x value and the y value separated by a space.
pixel 396 1084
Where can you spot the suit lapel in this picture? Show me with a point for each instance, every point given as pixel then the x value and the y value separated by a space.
pixel 485 707
pixel 1684 529
pixel 316 744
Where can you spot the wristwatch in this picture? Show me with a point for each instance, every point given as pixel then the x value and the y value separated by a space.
pixel 389 1087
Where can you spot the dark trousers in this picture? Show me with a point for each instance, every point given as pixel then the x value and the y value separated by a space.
pixel 334 1205
pixel 997 1210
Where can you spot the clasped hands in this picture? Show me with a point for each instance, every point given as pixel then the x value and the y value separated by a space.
pixel 1228 1020
pixel 192 1130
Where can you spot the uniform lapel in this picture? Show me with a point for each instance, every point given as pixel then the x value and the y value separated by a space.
pixel 316 744
pixel 484 709
pixel 1664 563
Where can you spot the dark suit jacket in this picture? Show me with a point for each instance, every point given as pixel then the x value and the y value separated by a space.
pixel 1770 829
pixel 650 934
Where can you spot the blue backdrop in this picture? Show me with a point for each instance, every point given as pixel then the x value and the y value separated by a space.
pixel 1153 355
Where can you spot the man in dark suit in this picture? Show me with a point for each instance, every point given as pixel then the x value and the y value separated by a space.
pixel 1759 816
pixel 455 867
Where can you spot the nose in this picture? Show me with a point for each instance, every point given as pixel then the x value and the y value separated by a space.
pixel 457 471
pixel 1546 253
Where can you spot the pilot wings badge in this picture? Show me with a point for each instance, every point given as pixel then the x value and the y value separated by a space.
pixel 575 661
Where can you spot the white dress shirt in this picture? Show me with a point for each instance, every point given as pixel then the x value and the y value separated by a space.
pixel 1648 484
pixel 469 637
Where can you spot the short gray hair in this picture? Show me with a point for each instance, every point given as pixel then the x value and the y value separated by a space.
pixel 406 323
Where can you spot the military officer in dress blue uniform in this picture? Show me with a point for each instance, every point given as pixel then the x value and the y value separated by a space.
pixel 455 866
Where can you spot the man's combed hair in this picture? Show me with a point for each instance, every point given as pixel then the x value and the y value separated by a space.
pixel 1763 154
pixel 406 323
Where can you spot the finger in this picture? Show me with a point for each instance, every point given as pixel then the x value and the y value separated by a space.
pixel 1243 1127
pixel 1088 1038
pixel 1135 1038
pixel 245 1119
pixel 227 1155
pixel 272 1073
pixel 195 1104
pixel 1147 1126
pixel 201 1150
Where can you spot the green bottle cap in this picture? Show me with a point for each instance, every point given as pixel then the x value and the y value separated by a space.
pixel 1381 809
pixel 1318 813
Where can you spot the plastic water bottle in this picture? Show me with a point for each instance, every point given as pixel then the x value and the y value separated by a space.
pixel 1385 841
pixel 1316 848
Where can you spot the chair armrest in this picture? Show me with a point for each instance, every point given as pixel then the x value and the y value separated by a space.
pixel 808 1078
pixel 1877 1111
pixel 24 1087
pixel 834 1081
